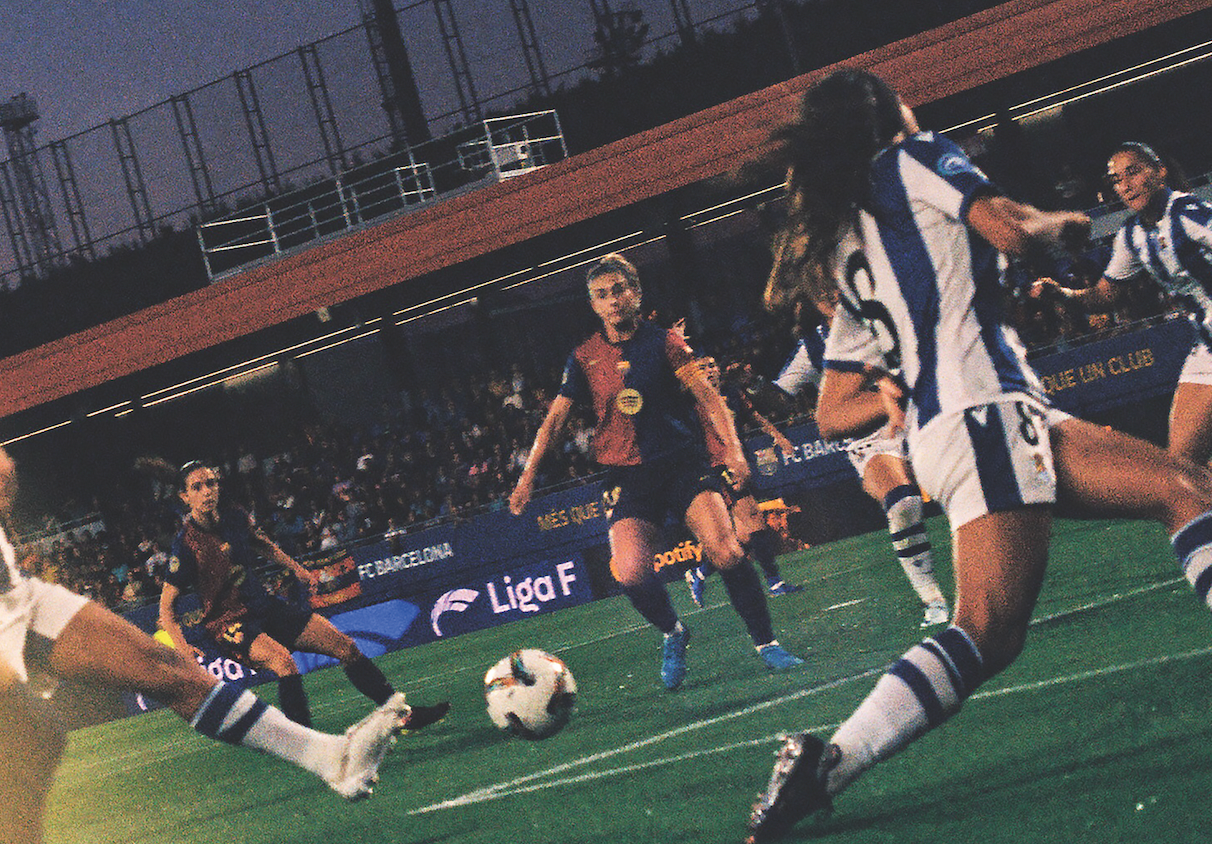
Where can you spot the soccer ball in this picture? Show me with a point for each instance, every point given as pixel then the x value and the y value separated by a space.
pixel 530 693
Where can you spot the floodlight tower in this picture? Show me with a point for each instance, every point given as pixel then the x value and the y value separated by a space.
pixel 26 203
pixel 683 22
pixel 540 82
pixel 401 98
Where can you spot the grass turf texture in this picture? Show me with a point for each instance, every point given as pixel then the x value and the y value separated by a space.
pixel 1097 734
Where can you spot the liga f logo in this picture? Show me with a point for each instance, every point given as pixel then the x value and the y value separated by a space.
pixel 456 600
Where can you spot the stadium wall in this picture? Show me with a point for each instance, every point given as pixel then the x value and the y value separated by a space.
pixel 956 57
pixel 458 578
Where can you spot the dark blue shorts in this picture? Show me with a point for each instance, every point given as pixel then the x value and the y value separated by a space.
pixel 730 493
pixel 280 620
pixel 657 490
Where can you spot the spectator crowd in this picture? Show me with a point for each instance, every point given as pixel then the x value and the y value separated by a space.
pixel 441 454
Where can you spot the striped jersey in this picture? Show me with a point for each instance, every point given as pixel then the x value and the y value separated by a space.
pixel 642 410
pixel 1177 253
pixel 806 364
pixel 920 291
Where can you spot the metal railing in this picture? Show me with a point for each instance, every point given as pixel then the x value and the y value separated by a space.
pixel 496 149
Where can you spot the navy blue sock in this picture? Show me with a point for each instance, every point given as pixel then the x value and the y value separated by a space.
pixel 292 699
pixel 763 546
pixel 749 601
pixel 369 680
pixel 228 713
pixel 652 601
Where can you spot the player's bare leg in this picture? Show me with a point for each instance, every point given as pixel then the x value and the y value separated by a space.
pixel 322 636
pixel 98 646
pixel 632 545
pixel 1191 423
pixel 711 523
pixel 33 745
pixel 1000 562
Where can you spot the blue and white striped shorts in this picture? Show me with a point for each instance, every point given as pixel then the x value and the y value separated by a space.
pixel 987 459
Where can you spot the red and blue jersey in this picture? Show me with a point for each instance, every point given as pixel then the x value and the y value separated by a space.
pixel 220 566
pixel 643 412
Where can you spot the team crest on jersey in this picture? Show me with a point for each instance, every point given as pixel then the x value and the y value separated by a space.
pixel 624 366
pixel 629 401
pixel 950 165
pixel 234 633
pixel 1040 466
pixel 610 497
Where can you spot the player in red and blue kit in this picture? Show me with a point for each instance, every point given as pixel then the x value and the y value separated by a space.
pixel 644 384
pixel 215 554
pixel 755 536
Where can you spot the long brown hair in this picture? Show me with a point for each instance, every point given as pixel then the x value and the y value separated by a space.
pixel 845 120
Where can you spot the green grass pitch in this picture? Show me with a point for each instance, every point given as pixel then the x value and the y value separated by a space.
pixel 1095 735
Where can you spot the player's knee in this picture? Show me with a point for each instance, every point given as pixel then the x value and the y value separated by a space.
pixel 629 577
pixel 724 552
pixel 1183 493
pixel 348 652
pixel 283 666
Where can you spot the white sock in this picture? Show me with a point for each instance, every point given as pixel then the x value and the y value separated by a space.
pixel 903 506
pixel 921 690
pixel 240 717
pixel 1193 545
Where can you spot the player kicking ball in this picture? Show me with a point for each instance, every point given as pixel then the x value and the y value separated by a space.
pixel 907 231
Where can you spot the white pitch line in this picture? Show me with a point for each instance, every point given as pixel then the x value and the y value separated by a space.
pixel 185 744
pixel 521 786
pixel 488 791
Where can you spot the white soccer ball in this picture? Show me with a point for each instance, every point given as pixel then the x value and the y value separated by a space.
pixel 530 693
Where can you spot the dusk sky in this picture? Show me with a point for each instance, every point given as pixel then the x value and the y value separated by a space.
pixel 86 61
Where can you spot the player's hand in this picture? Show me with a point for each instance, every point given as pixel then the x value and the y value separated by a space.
pixel 893 399
pixel 785 445
pixel 1074 233
pixel 1041 287
pixel 738 469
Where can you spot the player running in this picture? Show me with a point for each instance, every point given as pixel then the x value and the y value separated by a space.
pixel 636 376
pixel 757 538
pixel 878 457
pixel 908 231
pixel 1169 236
pixel 89 643
pixel 214 554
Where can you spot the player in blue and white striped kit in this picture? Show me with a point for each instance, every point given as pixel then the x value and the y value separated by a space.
pixel 910 234
pixel 879 459
pixel 1168 236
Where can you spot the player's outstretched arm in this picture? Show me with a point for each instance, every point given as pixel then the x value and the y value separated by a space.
pixel 715 412
pixel 780 439
pixel 168 620
pixel 1018 229
pixel 1102 295
pixel 272 551
pixel 553 424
